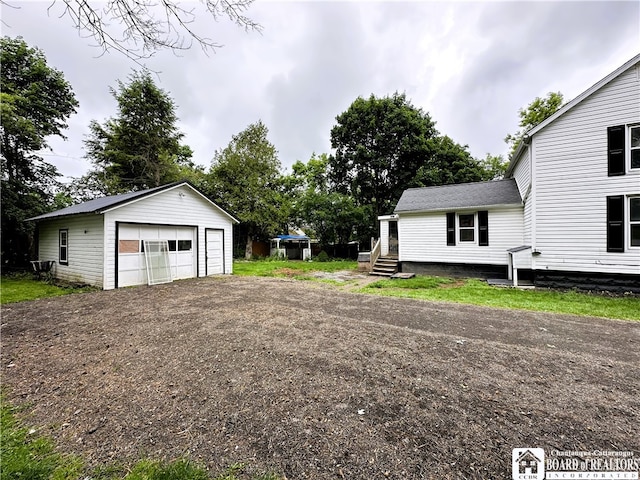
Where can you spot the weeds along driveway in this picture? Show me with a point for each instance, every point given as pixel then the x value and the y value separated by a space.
pixel 314 382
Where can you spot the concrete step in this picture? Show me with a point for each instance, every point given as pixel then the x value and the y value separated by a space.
pixel 381 274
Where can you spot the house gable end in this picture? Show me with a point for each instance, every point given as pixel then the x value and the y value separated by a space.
pixel 566 108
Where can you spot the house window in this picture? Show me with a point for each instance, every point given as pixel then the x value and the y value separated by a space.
pixel 467 228
pixel 634 146
pixel 63 247
pixel 466 225
pixel 634 221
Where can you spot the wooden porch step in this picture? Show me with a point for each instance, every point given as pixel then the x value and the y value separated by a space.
pixel 385 267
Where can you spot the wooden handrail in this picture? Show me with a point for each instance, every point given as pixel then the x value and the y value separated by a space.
pixel 375 252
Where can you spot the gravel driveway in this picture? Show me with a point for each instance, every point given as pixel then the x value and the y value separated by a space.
pixel 311 381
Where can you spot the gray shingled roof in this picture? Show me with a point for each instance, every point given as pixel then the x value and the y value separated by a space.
pixel 100 204
pixel 463 195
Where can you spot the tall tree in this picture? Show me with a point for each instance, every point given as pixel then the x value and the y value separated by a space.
pixel 140 148
pixel 386 145
pixel 36 102
pixel 450 162
pixel 331 216
pixel 140 28
pixel 380 144
pixel 536 112
pixel 245 180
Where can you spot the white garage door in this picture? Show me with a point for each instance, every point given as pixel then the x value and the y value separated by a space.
pixel 215 249
pixel 132 268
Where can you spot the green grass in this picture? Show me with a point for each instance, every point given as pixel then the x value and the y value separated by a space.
pixel 477 292
pixel 289 268
pixel 18 288
pixel 26 455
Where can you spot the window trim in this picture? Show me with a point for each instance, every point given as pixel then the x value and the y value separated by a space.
pixel 63 246
pixel 632 223
pixel 629 149
pixel 473 241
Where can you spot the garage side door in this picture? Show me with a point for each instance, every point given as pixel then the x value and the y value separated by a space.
pixel 215 251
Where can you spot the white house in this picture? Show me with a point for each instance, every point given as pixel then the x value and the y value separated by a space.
pixel 101 242
pixel 577 219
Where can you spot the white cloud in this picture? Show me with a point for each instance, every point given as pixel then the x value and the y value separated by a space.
pixel 471 65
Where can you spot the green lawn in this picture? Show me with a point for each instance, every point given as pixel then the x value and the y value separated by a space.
pixel 289 268
pixel 19 288
pixel 477 292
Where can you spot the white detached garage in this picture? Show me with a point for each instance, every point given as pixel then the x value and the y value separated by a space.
pixel 169 232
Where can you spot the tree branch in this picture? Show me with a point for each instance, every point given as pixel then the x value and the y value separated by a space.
pixel 140 28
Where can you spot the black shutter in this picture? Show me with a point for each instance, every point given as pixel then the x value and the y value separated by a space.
pixel 451 228
pixel 615 150
pixel 483 228
pixel 615 224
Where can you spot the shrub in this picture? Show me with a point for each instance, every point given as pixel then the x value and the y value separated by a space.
pixel 322 257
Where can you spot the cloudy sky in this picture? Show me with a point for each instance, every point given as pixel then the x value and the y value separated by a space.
pixel 471 65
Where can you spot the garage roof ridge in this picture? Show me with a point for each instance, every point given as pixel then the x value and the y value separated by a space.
pixel 102 204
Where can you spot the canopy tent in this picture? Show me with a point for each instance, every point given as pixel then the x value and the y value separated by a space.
pixel 291 246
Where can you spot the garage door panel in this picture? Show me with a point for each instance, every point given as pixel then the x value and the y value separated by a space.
pixel 132 269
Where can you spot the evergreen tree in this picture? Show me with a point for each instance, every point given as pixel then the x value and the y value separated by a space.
pixel 140 148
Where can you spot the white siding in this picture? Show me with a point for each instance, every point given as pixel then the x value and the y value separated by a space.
pixel 179 206
pixel 85 250
pixel 522 173
pixel 522 176
pixel 423 238
pixel 571 182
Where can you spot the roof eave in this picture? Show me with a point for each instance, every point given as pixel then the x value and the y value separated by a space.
pixel 471 207
pixel 45 216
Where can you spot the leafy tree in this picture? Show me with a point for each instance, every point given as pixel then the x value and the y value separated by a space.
pixel 494 166
pixel 36 102
pixel 380 144
pixel 245 180
pixel 332 216
pixel 140 148
pixel 386 145
pixel 535 113
pixel 448 163
pixel 138 29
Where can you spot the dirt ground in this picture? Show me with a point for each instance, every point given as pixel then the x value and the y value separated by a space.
pixel 311 380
